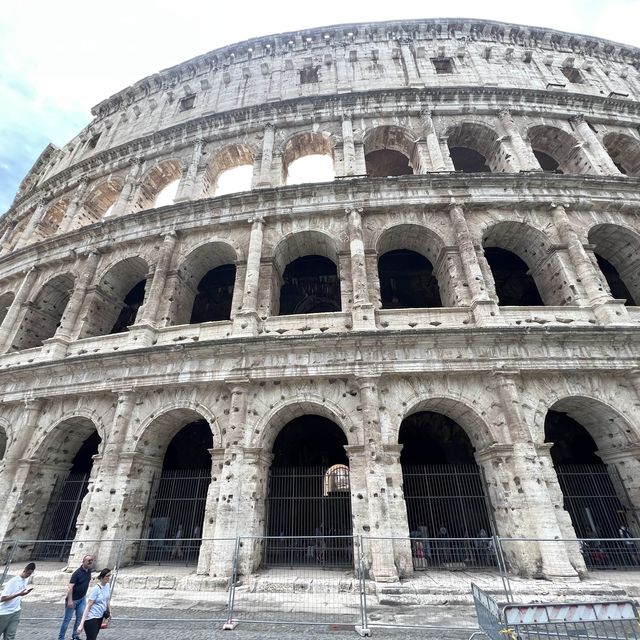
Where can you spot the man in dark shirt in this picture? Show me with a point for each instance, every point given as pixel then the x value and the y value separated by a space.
pixel 75 600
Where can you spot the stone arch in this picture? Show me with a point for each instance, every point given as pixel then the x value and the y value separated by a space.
pixel 624 150
pixel 53 217
pixel 534 248
pixel 98 203
pixel 561 147
pixel 273 421
pixel 475 147
pixel 108 300
pixel 155 180
pixel 419 240
pixel 390 150
pixel 620 247
pixel 6 300
pixel 225 159
pixel 44 312
pixel 302 145
pixel 200 261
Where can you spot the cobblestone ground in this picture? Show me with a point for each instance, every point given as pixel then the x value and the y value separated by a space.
pixel 42 621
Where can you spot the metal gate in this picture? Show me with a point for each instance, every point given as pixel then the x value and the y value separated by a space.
pixel 309 517
pixel 598 509
pixel 449 516
pixel 59 523
pixel 174 525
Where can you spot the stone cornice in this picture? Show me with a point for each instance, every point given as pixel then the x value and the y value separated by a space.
pixel 320 39
pixel 442 100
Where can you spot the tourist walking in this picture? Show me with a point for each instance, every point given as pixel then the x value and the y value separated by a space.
pixel 75 598
pixel 97 608
pixel 10 602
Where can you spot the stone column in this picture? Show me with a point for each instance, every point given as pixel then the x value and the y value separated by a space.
pixel 606 309
pixel 446 156
pixel 247 321
pixel 76 201
pixel 625 465
pixel 348 146
pixel 523 151
pixel 413 78
pixel 124 203
pixel 266 159
pixel 34 221
pixel 11 323
pixel 531 495
pixel 484 310
pixel 598 155
pixel 17 472
pixel 434 150
pixel 186 188
pixel 362 313
pixel 143 330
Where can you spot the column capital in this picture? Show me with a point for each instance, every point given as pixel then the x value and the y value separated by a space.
pixel 577 118
pixel 504 113
pixel 354 209
pixel 256 220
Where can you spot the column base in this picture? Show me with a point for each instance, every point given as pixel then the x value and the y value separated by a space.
pixel 485 312
pixel 246 323
pixel 611 312
pixel 363 318
pixel 142 335
pixel 56 347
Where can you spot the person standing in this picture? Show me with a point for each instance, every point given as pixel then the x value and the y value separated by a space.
pixel 75 599
pixel 10 602
pixel 97 608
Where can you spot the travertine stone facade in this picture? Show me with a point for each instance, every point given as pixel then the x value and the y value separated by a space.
pixel 84 229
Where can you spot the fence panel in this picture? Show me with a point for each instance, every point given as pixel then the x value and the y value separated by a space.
pixel 316 591
pixel 7 552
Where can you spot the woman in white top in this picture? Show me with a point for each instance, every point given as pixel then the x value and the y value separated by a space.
pixel 97 606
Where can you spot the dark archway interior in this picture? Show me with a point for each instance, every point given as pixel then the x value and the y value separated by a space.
pixel 215 293
pixel 616 285
pixel 83 460
pixel 387 162
pixel 443 489
pixel 621 168
pixel 468 160
pixel 310 285
pixel 310 441
pixel 132 302
pixel 407 281
pixel 179 497
pixel 547 163
pixel 590 494
pixel 514 284
pixel 302 498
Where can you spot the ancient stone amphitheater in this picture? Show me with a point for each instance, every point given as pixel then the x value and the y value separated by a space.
pixel 379 280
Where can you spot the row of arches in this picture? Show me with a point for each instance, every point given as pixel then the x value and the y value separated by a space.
pixel 388 150
pixel 410 274
pixel 308 491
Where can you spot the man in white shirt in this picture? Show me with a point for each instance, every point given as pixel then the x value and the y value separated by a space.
pixel 10 599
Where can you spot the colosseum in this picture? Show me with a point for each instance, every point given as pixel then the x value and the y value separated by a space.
pixel 375 280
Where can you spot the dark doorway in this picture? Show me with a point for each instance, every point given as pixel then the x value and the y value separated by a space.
pixel 387 163
pixel 58 527
pixel 547 163
pixel 310 285
pixel 178 499
pixel 468 160
pixel 309 500
pixel 447 508
pixel 132 302
pixel 593 492
pixel 215 293
pixel 407 281
pixel 514 285
pixel 616 285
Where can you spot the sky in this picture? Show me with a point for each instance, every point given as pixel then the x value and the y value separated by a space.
pixel 59 59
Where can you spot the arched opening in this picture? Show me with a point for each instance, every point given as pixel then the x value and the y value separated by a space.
pixel 42 317
pixel 468 160
pixel 176 508
pixel 215 293
pixel 447 508
pixel 475 148
pixel 513 282
pixel 547 163
pixel 385 163
pixel 308 157
pixel 234 180
pixel 617 251
pixel 558 150
pixel 115 302
pixel 593 493
pixel 53 217
pixel 161 179
pixel 69 487
pixel 407 281
pixel 6 300
pixel 310 284
pixel 99 203
pixel 167 195
pixel 3 442
pixel 308 496
pixel 624 151
pixel 230 171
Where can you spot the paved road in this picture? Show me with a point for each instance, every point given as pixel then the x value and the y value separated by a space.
pixel 41 622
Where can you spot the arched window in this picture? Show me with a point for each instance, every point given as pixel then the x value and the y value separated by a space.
pixel 308 157
pixel 407 281
pixel 389 151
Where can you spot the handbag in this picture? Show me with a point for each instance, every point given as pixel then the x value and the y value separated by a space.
pixel 106 618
